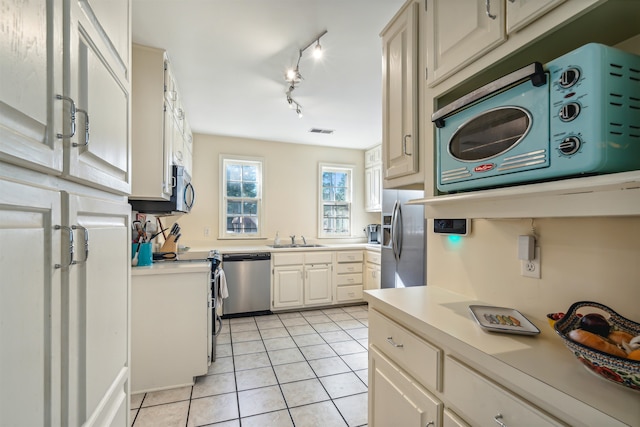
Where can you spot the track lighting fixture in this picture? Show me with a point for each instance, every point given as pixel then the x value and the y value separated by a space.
pixel 293 75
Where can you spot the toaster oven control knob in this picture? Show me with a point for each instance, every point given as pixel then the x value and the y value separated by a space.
pixel 570 145
pixel 569 111
pixel 569 77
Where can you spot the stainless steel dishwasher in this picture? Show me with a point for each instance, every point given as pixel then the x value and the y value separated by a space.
pixel 248 278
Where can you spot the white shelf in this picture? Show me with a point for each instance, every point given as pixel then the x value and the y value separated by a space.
pixel 605 195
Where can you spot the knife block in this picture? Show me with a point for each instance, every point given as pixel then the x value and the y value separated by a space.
pixel 169 245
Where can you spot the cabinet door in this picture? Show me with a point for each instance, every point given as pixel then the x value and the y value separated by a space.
pixel 31 73
pixel 317 284
pixel 397 400
pixel 521 13
pixel 373 189
pixel 30 306
pixel 287 286
pixel 372 277
pixel 99 152
pixel 96 324
pixel 400 95
pixel 459 32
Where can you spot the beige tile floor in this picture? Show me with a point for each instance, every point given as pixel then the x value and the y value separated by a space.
pixel 301 369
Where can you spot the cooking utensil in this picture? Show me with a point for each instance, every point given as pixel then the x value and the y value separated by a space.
pixel 134 261
pixel 153 236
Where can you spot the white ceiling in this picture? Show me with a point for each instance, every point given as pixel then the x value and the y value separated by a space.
pixel 229 58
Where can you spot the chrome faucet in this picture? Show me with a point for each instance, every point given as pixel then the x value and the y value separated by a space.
pixel 304 241
pixel 293 239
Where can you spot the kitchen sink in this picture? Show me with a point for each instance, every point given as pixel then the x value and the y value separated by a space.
pixel 295 246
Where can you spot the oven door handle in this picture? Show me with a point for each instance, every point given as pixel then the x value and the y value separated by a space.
pixel 533 72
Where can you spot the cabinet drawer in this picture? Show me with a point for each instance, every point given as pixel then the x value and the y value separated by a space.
pixel 373 257
pixel 480 401
pixel 318 258
pixel 288 259
pixel 349 279
pixel 347 293
pixel 352 267
pixel 413 354
pixel 350 256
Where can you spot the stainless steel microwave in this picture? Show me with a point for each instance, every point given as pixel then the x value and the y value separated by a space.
pixel 578 114
pixel 183 196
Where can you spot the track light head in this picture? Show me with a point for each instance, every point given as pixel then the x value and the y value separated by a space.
pixel 317 50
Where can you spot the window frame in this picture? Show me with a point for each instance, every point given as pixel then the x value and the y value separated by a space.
pixel 335 167
pixel 226 159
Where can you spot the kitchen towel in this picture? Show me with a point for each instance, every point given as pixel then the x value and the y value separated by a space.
pixel 223 291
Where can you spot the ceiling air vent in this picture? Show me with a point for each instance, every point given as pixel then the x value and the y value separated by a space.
pixel 324 131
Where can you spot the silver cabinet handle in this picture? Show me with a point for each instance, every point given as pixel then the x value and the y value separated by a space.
pixel 498 420
pixel 390 341
pixel 71 261
pixel 86 129
pixel 86 240
pixel 404 145
pixel 430 424
pixel 488 3
pixel 72 112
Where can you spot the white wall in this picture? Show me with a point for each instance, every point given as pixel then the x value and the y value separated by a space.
pixel 290 190
pixel 592 259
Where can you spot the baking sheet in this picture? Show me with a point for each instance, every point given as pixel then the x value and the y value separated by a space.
pixel 502 319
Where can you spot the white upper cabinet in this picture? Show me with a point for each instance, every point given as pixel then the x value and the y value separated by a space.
pixel 400 140
pixel 30 113
pixel 160 131
pixel 373 179
pixel 522 12
pixel 459 31
pixel 97 62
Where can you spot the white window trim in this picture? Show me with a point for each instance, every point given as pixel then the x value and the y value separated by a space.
pixel 222 233
pixel 347 167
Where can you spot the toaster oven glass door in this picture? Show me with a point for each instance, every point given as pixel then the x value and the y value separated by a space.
pixel 481 145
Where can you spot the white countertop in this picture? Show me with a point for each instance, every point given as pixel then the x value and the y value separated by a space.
pixel 172 267
pixel 201 253
pixel 540 367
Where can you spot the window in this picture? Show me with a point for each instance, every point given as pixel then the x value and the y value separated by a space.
pixel 335 200
pixel 241 197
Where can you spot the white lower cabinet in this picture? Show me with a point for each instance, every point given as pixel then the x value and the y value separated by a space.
pixel 170 325
pixel 396 399
pixel 30 306
pixel 411 385
pixel 317 284
pixel 302 279
pixel 96 312
pixel 483 402
pixel 64 308
pixel 372 270
pixel 349 277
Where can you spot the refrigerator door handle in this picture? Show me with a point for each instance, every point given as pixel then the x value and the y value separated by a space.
pixel 399 231
pixel 394 231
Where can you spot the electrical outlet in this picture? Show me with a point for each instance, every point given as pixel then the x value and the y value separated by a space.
pixel 207 231
pixel 531 268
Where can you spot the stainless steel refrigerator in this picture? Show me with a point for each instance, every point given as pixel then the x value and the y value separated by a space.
pixel 403 240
